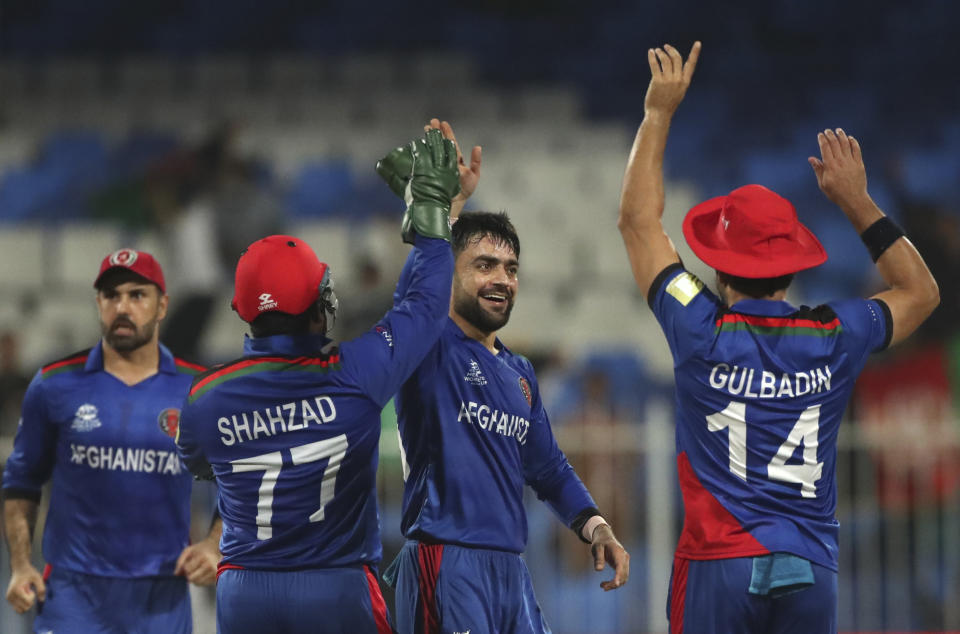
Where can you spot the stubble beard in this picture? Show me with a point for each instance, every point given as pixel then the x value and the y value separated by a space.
pixel 128 343
pixel 469 308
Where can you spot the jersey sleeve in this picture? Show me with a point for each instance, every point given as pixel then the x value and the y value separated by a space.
pixel 686 310
pixel 867 327
pixel 188 445
pixel 384 357
pixel 34 447
pixel 546 469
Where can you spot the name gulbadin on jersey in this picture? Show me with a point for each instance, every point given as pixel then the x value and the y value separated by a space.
pixel 491 419
pixel 757 383
pixel 270 421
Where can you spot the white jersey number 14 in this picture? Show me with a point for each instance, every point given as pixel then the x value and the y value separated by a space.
pixel 806 429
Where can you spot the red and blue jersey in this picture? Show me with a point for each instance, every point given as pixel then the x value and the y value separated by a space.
pixel 761 388
pixel 473 431
pixel 291 431
pixel 120 497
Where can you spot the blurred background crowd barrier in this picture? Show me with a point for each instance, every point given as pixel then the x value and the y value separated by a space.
pixel 193 128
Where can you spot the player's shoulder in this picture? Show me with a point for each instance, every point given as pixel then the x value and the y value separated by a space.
pixel 65 366
pixel 823 314
pixel 190 368
pixel 323 361
pixel 681 285
pixel 516 360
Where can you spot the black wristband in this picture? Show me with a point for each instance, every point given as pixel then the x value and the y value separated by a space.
pixel 580 521
pixel 880 236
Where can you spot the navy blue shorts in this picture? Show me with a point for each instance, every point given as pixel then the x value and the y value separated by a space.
pixel 330 600
pixel 444 589
pixel 712 597
pixel 85 604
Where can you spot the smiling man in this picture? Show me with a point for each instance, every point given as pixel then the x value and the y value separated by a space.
pixel 473 432
pixel 101 423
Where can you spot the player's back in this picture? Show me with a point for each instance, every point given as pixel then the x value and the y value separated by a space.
pixel 761 390
pixel 293 443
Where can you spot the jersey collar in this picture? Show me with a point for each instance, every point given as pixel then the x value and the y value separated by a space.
pixel 291 345
pixel 763 308
pixel 455 330
pixel 95 360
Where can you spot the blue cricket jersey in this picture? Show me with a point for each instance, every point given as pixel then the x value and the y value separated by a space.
pixel 291 431
pixel 120 500
pixel 473 430
pixel 761 388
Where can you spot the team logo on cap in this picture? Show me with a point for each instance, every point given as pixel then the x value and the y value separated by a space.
pixel 267 302
pixel 525 388
pixel 169 421
pixel 123 257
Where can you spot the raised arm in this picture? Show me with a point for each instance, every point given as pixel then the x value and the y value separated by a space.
pixel 395 167
pixel 913 293
pixel 642 198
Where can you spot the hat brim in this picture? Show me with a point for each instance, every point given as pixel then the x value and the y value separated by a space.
pixel 700 230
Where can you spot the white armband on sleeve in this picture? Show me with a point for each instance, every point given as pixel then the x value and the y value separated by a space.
pixel 591 525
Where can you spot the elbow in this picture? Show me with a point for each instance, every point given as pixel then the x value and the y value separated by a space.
pixel 631 220
pixel 932 295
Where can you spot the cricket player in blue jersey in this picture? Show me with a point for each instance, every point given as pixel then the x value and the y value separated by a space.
pixel 291 429
pixel 101 425
pixel 473 431
pixel 761 384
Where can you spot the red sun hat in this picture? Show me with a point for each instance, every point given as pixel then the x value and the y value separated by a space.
pixel 277 273
pixel 752 232
pixel 140 262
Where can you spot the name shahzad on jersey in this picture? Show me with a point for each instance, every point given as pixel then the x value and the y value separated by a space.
pixel 491 419
pixel 293 416
pixel 757 383
pixel 126 459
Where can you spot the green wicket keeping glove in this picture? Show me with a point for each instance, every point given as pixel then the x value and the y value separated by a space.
pixel 395 169
pixel 433 181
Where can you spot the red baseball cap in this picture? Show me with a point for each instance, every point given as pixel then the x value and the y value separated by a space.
pixel 277 273
pixel 752 232
pixel 140 262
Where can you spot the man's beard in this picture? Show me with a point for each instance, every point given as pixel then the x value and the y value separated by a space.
pixel 128 343
pixel 469 308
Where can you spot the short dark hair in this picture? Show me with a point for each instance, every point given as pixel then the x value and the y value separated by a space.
pixel 277 323
pixel 758 287
pixel 119 275
pixel 473 226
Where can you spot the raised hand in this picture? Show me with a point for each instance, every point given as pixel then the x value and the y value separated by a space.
pixel 840 171
pixel 469 175
pixel 434 182
pixel 395 169
pixel 670 78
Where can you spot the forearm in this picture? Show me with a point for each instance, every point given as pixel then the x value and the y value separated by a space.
pixel 455 208
pixel 216 530
pixel 901 265
pixel 20 519
pixel 912 291
pixel 642 196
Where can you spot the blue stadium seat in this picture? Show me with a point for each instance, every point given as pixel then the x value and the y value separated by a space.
pixel 319 189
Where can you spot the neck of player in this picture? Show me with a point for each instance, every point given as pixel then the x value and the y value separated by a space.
pixel 132 366
pixel 733 296
pixel 488 339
